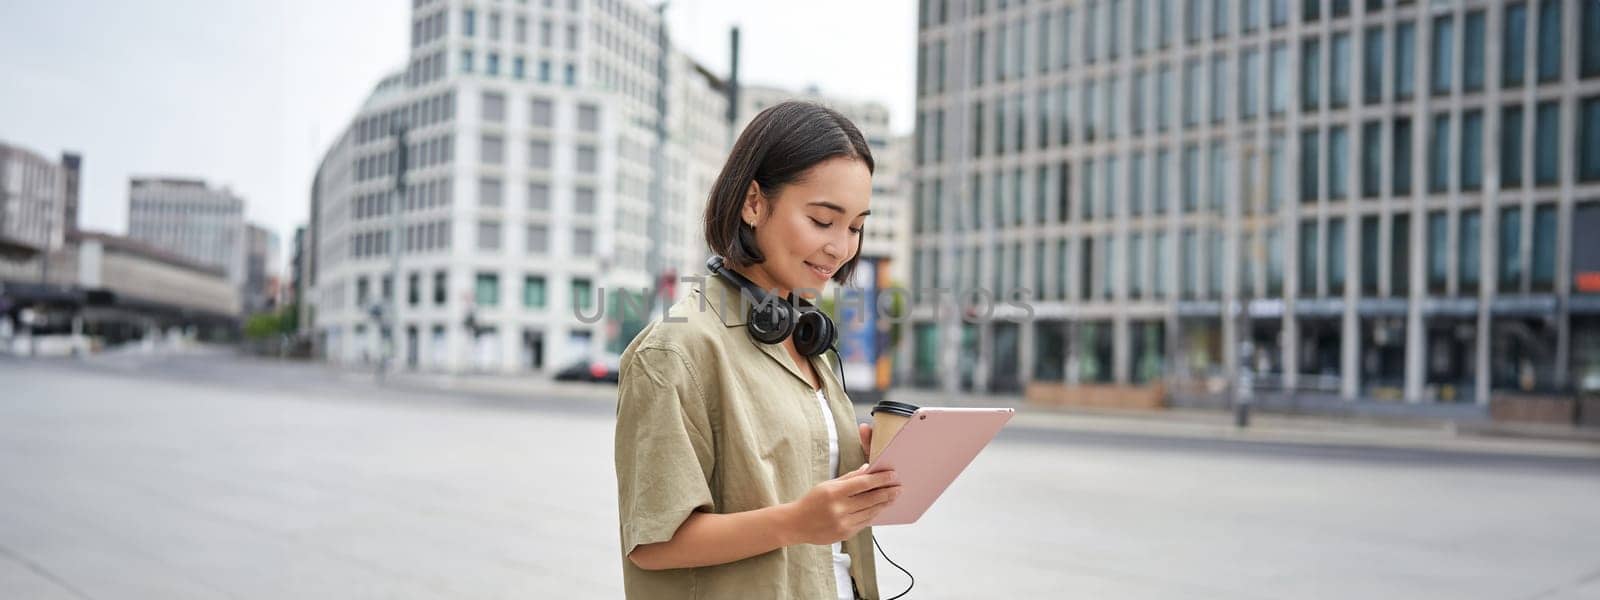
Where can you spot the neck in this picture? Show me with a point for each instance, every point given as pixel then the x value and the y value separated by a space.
pixel 759 276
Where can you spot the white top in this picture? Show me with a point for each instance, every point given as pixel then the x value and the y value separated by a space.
pixel 841 561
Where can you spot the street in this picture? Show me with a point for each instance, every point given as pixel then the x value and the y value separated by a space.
pixel 220 477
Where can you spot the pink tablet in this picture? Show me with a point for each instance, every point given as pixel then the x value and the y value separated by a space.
pixel 930 451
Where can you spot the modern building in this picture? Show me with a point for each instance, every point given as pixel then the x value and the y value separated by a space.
pixel 534 137
pixel 260 291
pixel 191 219
pixel 1360 201
pixel 38 208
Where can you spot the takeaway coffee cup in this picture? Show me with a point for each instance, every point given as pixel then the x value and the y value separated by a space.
pixel 887 419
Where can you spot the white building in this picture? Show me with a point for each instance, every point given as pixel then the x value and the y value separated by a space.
pixel 191 219
pixel 37 207
pixel 532 146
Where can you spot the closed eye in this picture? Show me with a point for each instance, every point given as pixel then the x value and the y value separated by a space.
pixel 821 225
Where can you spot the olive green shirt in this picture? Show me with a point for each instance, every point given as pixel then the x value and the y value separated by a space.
pixel 710 420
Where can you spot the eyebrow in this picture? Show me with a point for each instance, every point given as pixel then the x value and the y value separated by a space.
pixel 836 208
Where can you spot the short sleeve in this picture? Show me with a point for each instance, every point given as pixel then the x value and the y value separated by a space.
pixel 664 452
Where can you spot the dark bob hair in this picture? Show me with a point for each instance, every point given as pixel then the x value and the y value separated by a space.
pixel 776 150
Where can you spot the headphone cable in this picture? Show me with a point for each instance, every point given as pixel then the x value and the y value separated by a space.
pixel 840 360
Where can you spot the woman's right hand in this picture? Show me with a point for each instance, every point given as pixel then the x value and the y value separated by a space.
pixel 836 509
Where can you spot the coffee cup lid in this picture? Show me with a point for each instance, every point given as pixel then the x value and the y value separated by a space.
pixel 895 408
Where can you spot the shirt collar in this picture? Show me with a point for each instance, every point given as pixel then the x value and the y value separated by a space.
pixel 724 299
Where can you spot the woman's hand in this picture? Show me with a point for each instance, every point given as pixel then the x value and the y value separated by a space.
pixel 836 509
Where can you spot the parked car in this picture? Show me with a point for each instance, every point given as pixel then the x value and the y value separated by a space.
pixel 604 368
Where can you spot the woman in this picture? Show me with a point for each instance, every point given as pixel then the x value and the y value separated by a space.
pixel 735 475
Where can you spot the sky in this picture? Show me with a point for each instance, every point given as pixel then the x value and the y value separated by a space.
pixel 248 95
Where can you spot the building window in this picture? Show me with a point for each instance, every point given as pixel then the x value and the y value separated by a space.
pixel 494 107
pixel 1472 49
pixel 1439 154
pixel 533 292
pixel 492 67
pixel 586 159
pixel 1443 49
pixel 1400 256
pixel 541 113
pixel 1336 261
pixel 1249 84
pixel 1278 12
pixel 1277 172
pixel 1310 10
pixel 1219 88
pixel 583 200
pixel 1218 177
pixel 413 289
pixel 1339 71
pixel 489 236
pixel 1309 162
pixel 1191 178
pixel 569 75
pixel 544 71
pixel 1219 18
pixel 582 293
pixel 486 290
pixel 466 61
pixel 538 240
pixel 1402 157
pixel 1438 251
pixel 1405 64
pixel 1472 150
pixel 1511 154
pixel 1510 250
pixel 582 241
pixel 441 290
pixel 1372 66
pixel 1468 265
pixel 1338 163
pixel 519 68
pixel 1514 43
pixel 1546 120
pixel 469 23
pixel 1191 93
pixel 539 197
pixel 1550 40
pixel 1589 138
pixel 1544 248
pixel 1189 260
pixel 539 154
pixel 1371 159
pixel 1589 39
pixel 490 192
pixel 1310 74
pixel 1369 255
pixel 1274 252
pixel 491 150
pixel 1308 258
pixel 588 118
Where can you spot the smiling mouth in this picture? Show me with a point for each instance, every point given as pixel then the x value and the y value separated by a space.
pixel 821 272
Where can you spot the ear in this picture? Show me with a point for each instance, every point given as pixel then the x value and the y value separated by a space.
pixel 754 204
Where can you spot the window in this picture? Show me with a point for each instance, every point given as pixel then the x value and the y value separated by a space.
pixel 1369 256
pixel 569 75
pixel 1514 61
pixel 1546 120
pixel 469 23
pixel 440 289
pixel 1472 48
pixel 413 289
pixel 494 107
pixel 1589 139
pixel 1279 12
pixel 1309 142
pixel 1544 248
pixel 1511 154
pixel 1341 8
pixel 1472 150
pixel 544 71
pixel 1310 74
pixel 1275 253
pixel 582 241
pixel 492 66
pixel 1338 163
pixel 533 292
pixel 490 192
pixel 1550 40
pixel 539 154
pixel 1589 39
pixel 1402 157
pixel 519 68
pixel 486 290
pixel 1249 84
pixel 1191 178
pixel 1371 159
pixel 572 37
pixel 1438 251
pixel 1467 264
pixel 538 239
pixel 583 200
pixel 1339 71
pixel 1308 258
pixel 1219 169
pixel 1278 98
pixel 1277 172
pixel 489 236
pixel 582 293
pixel 466 61
pixel 541 113
pixel 1336 261
pixel 588 118
pixel 1439 154
pixel 1443 47
pixel 1400 256
pixel 1405 65
pixel 1158 265
pixel 1163 96
pixel 1191 93
pixel 1372 66
pixel 1135 185
pixel 491 150
pixel 1310 10
pixel 1219 18
pixel 1510 250
pixel 1251 11
pixel 587 159
pixel 1162 167
pixel 539 197
pixel 1188 261
pixel 1219 88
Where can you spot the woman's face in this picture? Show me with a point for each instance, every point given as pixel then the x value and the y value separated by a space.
pixel 813 226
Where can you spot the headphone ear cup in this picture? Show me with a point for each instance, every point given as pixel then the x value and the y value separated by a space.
pixel 814 333
pixel 770 323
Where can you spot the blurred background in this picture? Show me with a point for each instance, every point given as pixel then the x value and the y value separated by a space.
pixel 326 299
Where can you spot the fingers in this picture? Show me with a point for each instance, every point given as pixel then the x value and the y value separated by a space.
pixel 867 481
pixel 875 499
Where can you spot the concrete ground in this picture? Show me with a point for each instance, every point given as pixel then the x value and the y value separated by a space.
pixel 134 476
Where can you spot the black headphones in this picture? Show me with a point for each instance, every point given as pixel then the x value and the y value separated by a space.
pixel 772 320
